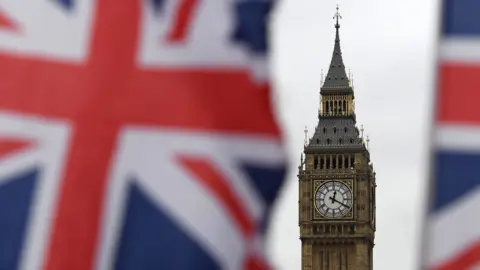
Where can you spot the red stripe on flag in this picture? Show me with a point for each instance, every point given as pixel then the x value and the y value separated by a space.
pixel 206 100
pixel 465 260
pixel 7 23
pixel 183 20
pixel 253 262
pixel 218 185
pixel 10 146
pixel 459 93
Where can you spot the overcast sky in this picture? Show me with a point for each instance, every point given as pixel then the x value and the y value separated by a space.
pixel 390 48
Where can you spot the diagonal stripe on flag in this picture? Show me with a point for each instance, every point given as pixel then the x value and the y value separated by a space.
pixel 218 185
pixel 183 20
pixel 468 259
pixel 6 23
pixel 10 146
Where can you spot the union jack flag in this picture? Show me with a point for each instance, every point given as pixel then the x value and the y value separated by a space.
pixel 136 134
pixel 452 231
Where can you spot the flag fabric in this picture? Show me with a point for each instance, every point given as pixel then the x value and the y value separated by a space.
pixel 136 134
pixel 452 230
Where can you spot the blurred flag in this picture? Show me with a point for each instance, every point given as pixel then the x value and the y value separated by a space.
pixel 452 233
pixel 135 134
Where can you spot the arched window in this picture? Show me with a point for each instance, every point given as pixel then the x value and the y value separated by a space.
pixel 340 141
pixel 318 140
pixel 328 141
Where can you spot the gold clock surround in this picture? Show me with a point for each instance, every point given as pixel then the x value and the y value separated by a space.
pixel 317 184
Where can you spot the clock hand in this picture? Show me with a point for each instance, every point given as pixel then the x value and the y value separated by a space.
pixel 334 195
pixel 340 203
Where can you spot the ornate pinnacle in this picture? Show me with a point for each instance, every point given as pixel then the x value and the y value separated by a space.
pixel 337 16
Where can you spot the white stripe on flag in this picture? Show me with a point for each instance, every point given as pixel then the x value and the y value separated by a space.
pixel 465 50
pixel 454 228
pixel 458 138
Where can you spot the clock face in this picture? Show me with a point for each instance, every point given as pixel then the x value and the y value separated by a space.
pixel 333 199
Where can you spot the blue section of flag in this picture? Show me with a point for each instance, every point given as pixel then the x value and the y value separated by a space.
pixel 67 4
pixel 456 174
pixel 461 17
pixel 151 240
pixel 267 181
pixel 158 5
pixel 251 18
pixel 15 201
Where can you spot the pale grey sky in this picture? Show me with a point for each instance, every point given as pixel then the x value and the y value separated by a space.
pixel 390 48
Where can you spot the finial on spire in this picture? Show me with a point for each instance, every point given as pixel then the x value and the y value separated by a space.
pixel 368 142
pixel 306 136
pixel 361 130
pixel 337 17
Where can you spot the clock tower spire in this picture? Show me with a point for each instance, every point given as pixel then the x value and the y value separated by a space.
pixel 337 180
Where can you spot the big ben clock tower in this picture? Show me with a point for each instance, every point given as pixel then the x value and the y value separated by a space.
pixel 337 181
